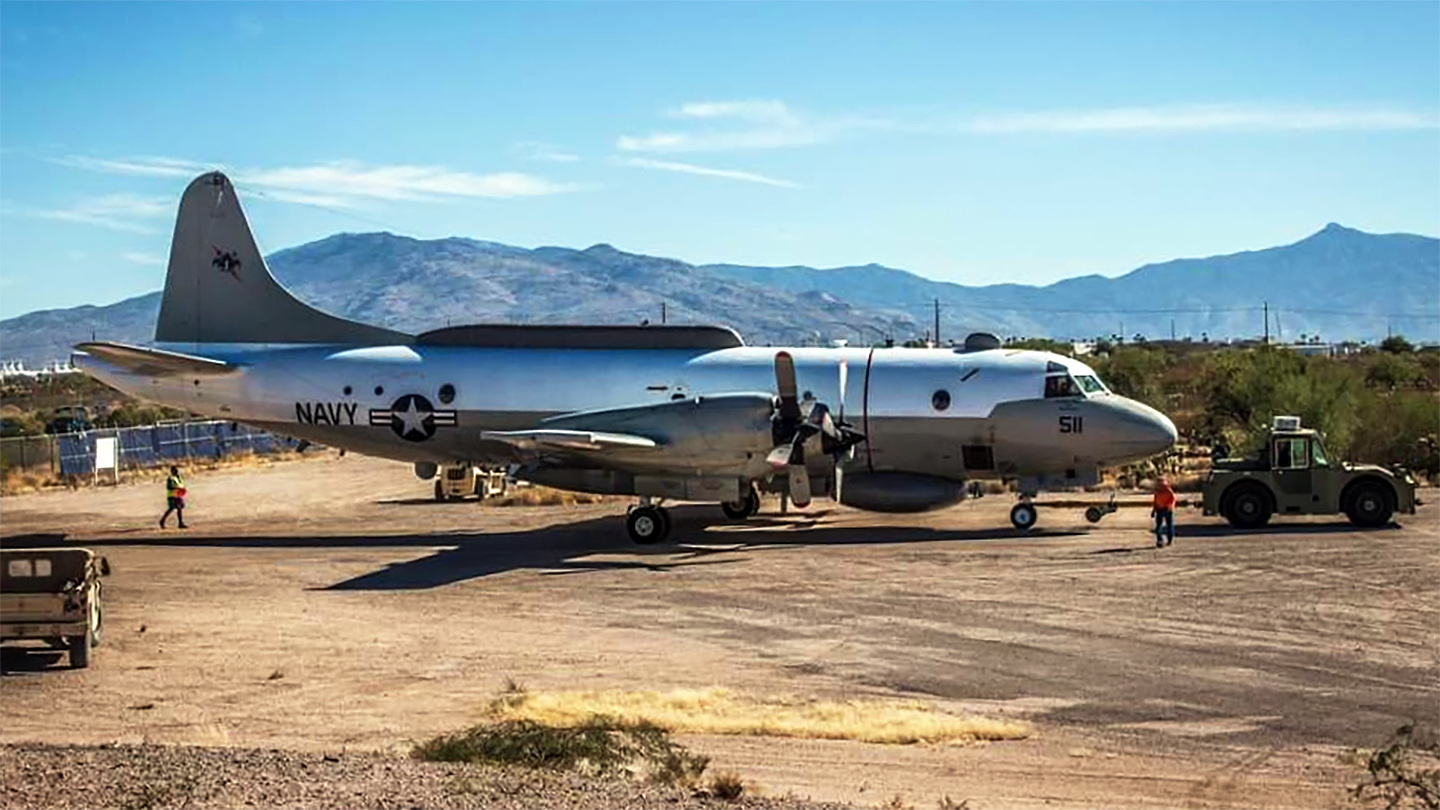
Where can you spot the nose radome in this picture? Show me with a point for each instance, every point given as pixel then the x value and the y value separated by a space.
pixel 1154 429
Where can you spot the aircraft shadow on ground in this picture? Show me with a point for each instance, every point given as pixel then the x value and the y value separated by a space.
pixel 564 548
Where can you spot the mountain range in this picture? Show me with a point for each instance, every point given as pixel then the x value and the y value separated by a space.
pixel 1340 283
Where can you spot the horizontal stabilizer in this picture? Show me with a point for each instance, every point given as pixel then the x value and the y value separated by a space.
pixel 569 440
pixel 156 362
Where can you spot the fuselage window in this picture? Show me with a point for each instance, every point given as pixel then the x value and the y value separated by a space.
pixel 940 400
pixel 447 393
pixel 1061 386
pixel 348 390
pixel 379 390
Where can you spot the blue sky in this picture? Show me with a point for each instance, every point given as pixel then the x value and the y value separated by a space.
pixel 970 142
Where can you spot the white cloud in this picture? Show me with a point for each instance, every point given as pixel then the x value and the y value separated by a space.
pixel 120 212
pixel 545 153
pixel 340 183
pixel 705 171
pixel 738 125
pixel 1202 117
pixel 138 257
pixel 142 166
pixel 768 111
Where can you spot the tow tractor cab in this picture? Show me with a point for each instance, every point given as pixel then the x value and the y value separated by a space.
pixel 52 595
pixel 1291 474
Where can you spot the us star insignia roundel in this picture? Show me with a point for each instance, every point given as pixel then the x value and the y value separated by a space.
pixel 413 418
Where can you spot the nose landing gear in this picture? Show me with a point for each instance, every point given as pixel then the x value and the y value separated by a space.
pixel 1024 515
pixel 647 523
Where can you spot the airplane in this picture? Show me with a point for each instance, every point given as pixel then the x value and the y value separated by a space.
pixel 679 413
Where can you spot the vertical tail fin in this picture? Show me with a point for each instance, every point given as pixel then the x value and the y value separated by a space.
pixel 218 289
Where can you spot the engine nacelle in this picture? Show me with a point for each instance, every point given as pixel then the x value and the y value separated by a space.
pixel 899 492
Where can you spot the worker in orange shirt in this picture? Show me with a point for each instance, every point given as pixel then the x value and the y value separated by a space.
pixel 1163 510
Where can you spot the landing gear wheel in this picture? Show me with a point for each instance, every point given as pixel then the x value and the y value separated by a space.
pixel 439 492
pixel 1023 516
pixel 1369 507
pixel 647 525
pixel 1093 514
pixel 747 506
pixel 1249 509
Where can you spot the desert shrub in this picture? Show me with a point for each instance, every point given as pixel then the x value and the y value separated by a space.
pixel 600 745
pixel 726 786
pixel 1403 774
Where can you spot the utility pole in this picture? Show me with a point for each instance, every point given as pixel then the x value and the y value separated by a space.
pixel 937 321
pixel 1172 330
pixel 1267 323
pixel 1279 330
pixel 662 313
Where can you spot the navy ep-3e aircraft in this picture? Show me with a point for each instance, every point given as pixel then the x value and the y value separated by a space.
pixel 685 413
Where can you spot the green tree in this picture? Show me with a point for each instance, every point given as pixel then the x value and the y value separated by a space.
pixel 1397 344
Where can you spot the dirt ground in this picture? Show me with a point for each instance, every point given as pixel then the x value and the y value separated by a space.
pixel 331 605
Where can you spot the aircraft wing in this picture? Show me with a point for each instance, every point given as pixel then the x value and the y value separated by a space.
pixel 569 440
pixel 156 362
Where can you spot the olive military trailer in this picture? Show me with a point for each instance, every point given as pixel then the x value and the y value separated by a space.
pixel 670 412
pixel 1291 474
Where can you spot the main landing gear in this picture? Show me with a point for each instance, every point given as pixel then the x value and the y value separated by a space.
pixel 1024 515
pixel 743 509
pixel 647 523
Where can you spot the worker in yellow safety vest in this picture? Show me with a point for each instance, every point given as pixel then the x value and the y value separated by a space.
pixel 175 497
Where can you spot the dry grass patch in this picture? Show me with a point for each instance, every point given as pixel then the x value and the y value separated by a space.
pixel 720 711
pixel 543 496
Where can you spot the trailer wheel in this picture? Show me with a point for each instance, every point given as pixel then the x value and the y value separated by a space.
pixel 1249 508
pixel 79 650
pixel 1369 506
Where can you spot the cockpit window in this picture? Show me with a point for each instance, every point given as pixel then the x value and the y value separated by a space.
pixel 1317 454
pixel 1061 385
pixel 1090 384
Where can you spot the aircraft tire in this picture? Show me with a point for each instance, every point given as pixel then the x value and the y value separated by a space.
pixel 743 509
pixel 647 525
pixel 439 492
pixel 1093 514
pixel 1024 516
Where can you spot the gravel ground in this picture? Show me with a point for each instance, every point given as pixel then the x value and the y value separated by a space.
pixel 161 776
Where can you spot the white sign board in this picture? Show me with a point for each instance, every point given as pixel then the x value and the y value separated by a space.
pixel 105 457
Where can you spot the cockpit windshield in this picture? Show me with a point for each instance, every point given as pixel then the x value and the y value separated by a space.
pixel 1065 385
pixel 1061 385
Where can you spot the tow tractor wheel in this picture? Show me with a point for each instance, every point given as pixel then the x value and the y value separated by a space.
pixel 1023 516
pixel 747 506
pixel 647 525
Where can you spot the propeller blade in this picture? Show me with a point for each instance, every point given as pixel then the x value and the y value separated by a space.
pixel 844 378
pixel 799 486
pixel 839 481
pixel 785 386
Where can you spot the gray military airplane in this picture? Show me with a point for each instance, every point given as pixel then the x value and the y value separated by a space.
pixel 668 412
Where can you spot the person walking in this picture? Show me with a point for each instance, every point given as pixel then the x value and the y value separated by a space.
pixel 1163 510
pixel 174 497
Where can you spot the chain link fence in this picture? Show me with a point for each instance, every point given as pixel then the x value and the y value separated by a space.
pixel 137 447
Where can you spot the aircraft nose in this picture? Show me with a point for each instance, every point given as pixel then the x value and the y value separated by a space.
pixel 1144 431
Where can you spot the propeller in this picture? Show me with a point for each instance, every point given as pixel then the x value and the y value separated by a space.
pixel 793 425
